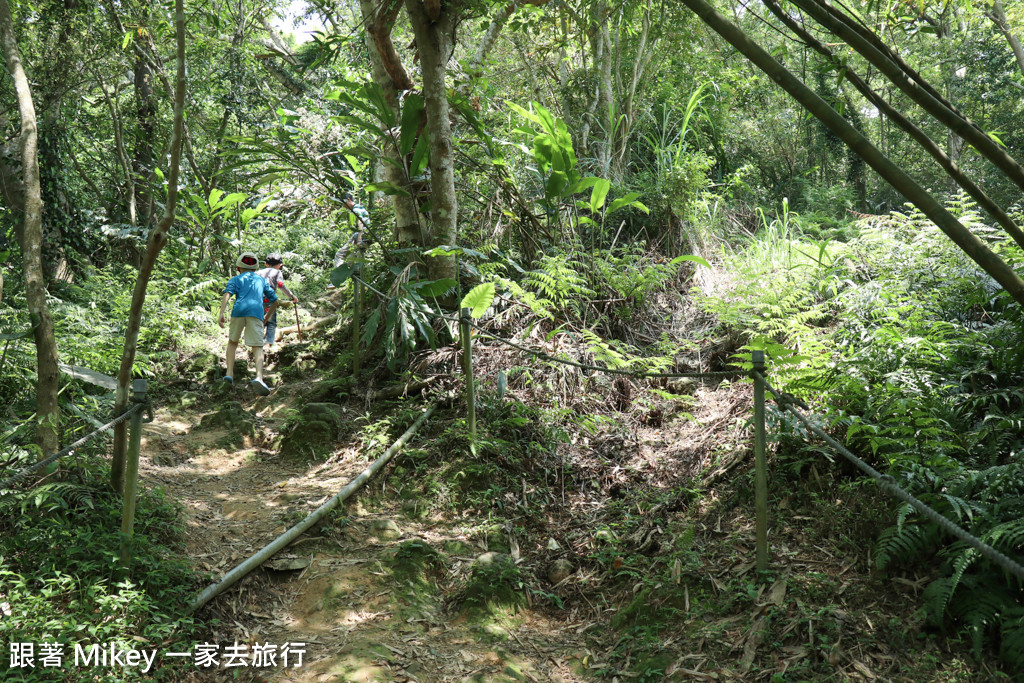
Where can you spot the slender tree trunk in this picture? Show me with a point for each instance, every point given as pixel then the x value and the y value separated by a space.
pixel 31 239
pixel 903 183
pixel 603 73
pixel 888 112
pixel 910 82
pixel 433 27
pixel 156 242
pixel 998 17
pixel 145 121
pixel 389 73
pixel 489 36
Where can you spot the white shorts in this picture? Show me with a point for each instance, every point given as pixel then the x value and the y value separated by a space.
pixel 253 327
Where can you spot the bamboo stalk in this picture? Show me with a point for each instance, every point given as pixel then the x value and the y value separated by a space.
pixel 242 570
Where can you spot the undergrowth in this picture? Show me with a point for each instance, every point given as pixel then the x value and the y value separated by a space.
pixel 914 354
pixel 62 582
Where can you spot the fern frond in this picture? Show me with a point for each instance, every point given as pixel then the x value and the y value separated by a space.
pixel 903 545
pixel 1007 537
pixel 1011 639
pixel 978 611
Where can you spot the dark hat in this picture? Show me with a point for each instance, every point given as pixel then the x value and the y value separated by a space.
pixel 273 258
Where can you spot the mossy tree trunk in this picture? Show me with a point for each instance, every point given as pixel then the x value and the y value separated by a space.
pixel 433 24
pixel 31 242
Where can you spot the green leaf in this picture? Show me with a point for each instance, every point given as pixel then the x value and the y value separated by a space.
pixel 342 273
pixel 555 184
pixel 356 121
pixel 448 250
pixel 583 183
pixel 529 115
pixel 696 259
pixel 630 198
pixel 421 156
pixel 127 39
pixel 387 188
pixel 599 194
pixel 370 327
pixel 11 336
pixel 411 109
pixel 434 288
pixel 479 299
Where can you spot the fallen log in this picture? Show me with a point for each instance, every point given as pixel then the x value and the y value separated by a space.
pixel 308 328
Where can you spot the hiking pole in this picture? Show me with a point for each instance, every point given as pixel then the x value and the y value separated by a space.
pixel 297 325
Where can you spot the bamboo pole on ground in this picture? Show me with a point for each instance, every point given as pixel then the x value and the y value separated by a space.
pixel 242 570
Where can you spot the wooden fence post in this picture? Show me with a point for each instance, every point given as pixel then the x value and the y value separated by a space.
pixel 760 464
pixel 131 479
pixel 467 368
pixel 357 306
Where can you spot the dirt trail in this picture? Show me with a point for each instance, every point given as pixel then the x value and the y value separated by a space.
pixel 332 591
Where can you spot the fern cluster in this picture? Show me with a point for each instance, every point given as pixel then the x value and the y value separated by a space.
pixel 919 356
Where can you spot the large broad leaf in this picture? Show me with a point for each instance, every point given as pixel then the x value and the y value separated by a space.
pixel 599 194
pixel 421 156
pixel 583 183
pixel 434 288
pixel 629 200
pixel 411 109
pixel 214 197
pixel 529 115
pixel 356 121
pixel 370 327
pixel 479 299
pixel 448 250
pixel 375 95
pixel 11 336
pixel 696 259
pixel 387 188
pixel 342 273
pixel 555 184
pixel 544 150
pixel 546 119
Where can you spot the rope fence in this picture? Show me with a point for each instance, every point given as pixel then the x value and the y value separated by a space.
pixel 786 402
pixel 72 447
pixel 889 485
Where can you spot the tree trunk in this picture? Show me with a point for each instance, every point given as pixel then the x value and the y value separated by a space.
pixel 31 239
pixel 998 17
pixel 141 204
pixel 603 74
pixel 910 82
pixel 903 183
pixel 434 42
pixel 155 243
pixel 889 112
pixel 389 73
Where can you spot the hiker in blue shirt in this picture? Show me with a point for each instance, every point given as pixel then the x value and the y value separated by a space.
pixel 248 315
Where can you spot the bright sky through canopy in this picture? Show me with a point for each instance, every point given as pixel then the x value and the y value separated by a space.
pixel 292 22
